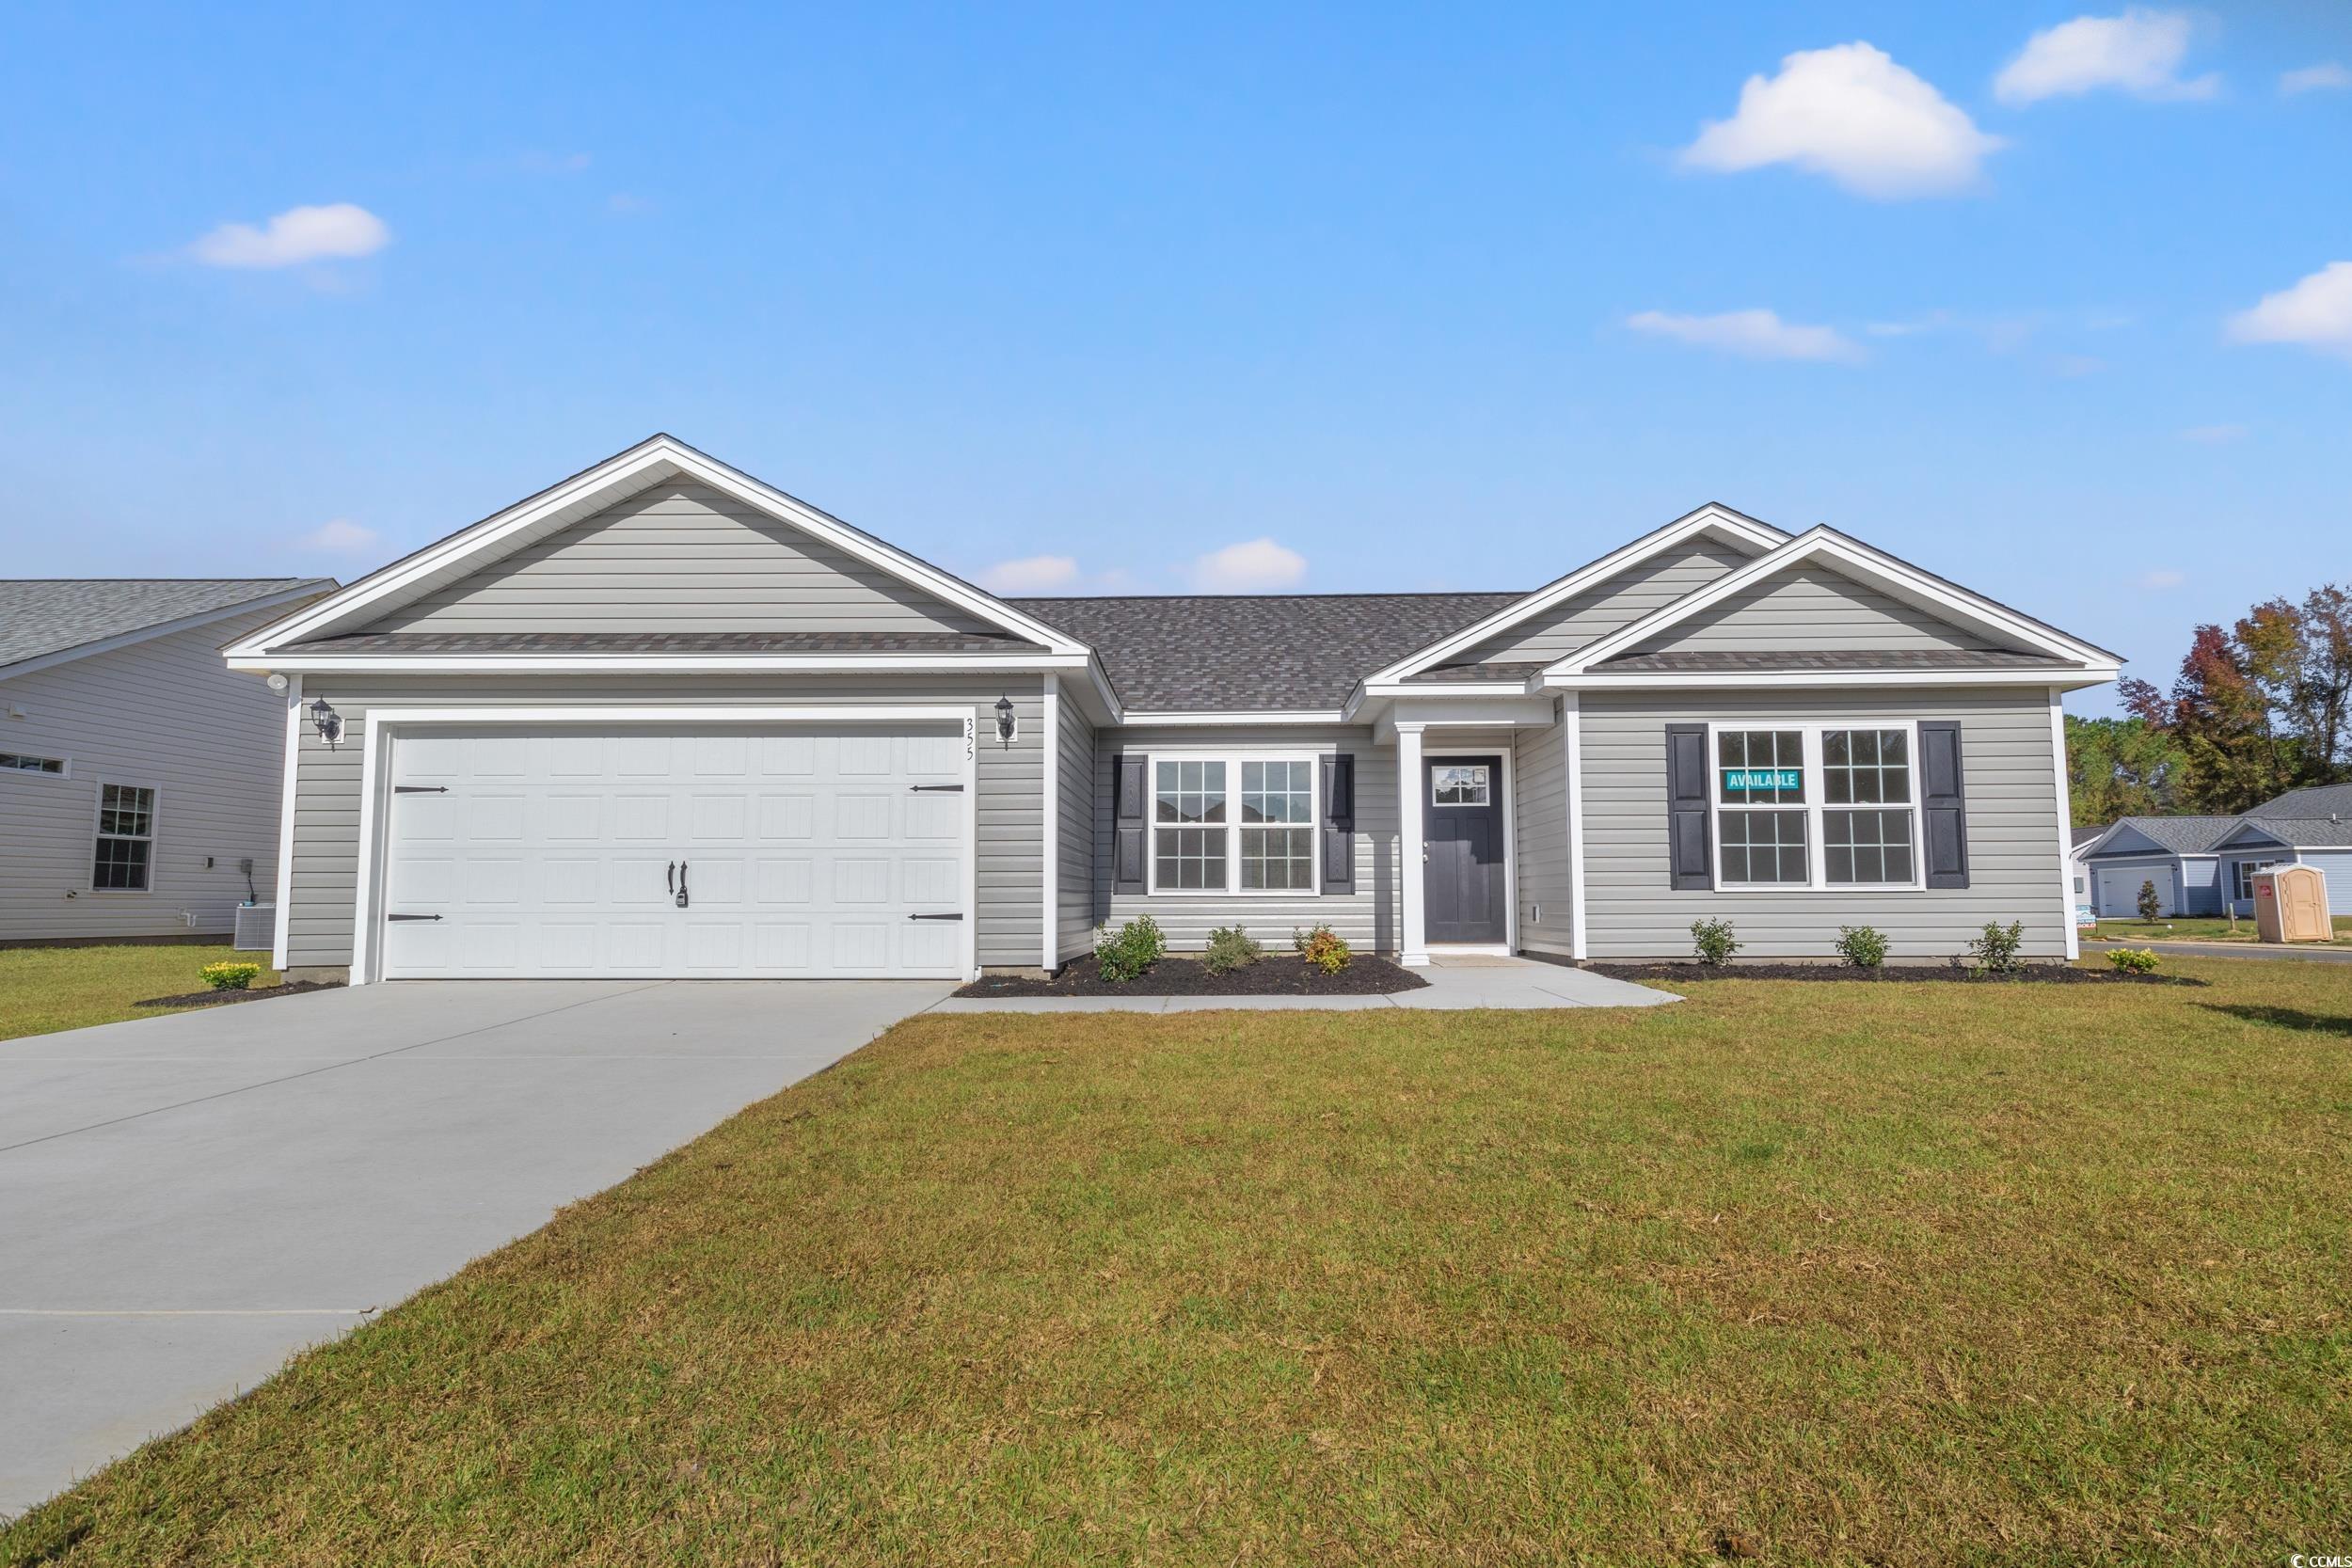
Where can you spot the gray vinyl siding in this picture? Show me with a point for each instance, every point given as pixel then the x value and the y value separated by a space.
pixel 1366 917
pixel 1073 886
pixel 2336 866
pixel 2014 829
pixel 1809 608
pixel 1606 606
pixel 165 713
pixel 1009 805
pixel 678 558
pixel 1539 769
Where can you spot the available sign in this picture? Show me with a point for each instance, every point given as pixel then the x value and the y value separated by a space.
pixel 1739 780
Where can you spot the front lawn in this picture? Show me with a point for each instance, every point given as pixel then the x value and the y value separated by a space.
pixel 1867 1274
pixel 42 989
pixel 2199 928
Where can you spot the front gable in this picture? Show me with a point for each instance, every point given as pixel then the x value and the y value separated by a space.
pixel 678 556
pixel 2124 839
pixel 1812 607
pixel 1616 601
pixel 2254 835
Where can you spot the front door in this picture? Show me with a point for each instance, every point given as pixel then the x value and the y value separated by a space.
pixel 1462 881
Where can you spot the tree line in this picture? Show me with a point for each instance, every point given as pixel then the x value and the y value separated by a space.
pixel 2259 707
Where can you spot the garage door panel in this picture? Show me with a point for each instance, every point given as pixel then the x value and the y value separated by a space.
pixel 550 854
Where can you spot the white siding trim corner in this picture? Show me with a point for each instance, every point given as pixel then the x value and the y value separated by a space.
pixel 2065 816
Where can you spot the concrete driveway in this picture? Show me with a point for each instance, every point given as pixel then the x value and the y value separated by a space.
pixel 186 1200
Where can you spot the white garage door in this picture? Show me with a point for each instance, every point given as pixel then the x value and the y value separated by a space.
pixel 708 853
pixel 2118 889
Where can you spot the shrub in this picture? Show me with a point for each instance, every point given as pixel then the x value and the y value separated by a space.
pixel 1230 947
pixel 2134 961
pixel 1863 947
pixel 231 975
pixel 1321 946
pixel 1713 942
pixel 1996 951
pixel 1136 947
pixel 2150 906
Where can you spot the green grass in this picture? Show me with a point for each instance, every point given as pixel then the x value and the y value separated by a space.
pixel 44 989
pixel 2200 928
pixel 1885 1273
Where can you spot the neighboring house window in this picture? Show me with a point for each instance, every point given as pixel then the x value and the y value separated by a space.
pixel 13 762
pixel 2079 887
pixel 1460 785
pixel 2242 879
pixel 126 839
pixel 1204 840
pixel 1775 825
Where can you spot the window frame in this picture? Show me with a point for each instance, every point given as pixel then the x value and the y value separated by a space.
pixel 1816 804
pixel 1234 759
pixel 1487 782
pixel 48 766
pixel 2242 876
pixel 151 838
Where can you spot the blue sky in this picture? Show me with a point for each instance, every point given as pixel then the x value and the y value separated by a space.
pixel 1424 298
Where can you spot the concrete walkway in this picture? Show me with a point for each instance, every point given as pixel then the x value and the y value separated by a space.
pixel 187 1200
pixel 1453 982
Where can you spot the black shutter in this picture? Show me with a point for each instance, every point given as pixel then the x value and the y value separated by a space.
pixel 1942 803
pixel 1691 859
pixel 1339 822
pixel 1128 799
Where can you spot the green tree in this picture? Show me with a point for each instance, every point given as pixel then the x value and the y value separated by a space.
pixel 2120 767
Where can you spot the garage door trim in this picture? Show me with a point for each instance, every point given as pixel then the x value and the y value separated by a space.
pixel 377 724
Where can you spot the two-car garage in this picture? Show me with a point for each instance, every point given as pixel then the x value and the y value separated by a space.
pixel 657 848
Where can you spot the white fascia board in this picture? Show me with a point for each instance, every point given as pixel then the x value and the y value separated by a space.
pixel 2071 680
pixel 1856 560
pixel 1708 516
pixel 1448 689
pixel 647 463
pixel 162 628
pixel 292 660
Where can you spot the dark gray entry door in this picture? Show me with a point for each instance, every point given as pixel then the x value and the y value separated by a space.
pixel 1462 881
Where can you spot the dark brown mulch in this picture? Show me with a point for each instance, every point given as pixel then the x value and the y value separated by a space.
pixel 1275 976
pixel 2045 974
pixel 214 998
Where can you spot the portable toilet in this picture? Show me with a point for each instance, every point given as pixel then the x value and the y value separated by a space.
pixel 2291 904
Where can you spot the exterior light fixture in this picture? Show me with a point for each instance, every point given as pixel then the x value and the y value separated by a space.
pixel 329 722
pixel 1004 722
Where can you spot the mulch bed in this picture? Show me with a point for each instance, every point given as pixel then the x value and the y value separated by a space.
pixel 1278 975
pixel 215 998
pixel 2041 974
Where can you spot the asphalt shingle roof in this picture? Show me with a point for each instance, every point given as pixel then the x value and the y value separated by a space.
pixel 2182 836
pixel 47 615
pixel 666 642
pixel 2084 835
pixel 1258 652
pixel 2319 800
pixel 2306 833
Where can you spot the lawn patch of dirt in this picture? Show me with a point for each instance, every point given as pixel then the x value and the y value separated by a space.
pixel 2045 974
pixel 255 994
pixel 1278 975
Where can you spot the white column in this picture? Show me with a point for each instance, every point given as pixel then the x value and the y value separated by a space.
pixel 1049 760
pixel 2066 828
pixel 1572 727
pixel 288 788
pixel 1414 947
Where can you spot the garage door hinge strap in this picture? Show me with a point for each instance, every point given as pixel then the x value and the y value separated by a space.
pixel 412 917
pixel 421 790
pixel 934 917
pixel 936 789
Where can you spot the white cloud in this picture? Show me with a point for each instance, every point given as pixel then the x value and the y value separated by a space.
pixel 2326 76
pixel 2162 578
pixel 2214 435
pixel 1756 334
pixel 1252 566
pixel 1849 112
pixel 2315 312
pixel 1033 574
pixel 337 232
pixel 2140 53
pixel 340 535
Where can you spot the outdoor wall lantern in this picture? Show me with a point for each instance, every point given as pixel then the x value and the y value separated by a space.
pixel 1004 722
pixel 329 722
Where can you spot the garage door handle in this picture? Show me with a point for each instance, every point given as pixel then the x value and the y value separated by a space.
pixel 933 917
pixel 412 917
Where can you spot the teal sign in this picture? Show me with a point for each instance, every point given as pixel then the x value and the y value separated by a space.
pixel 1739 780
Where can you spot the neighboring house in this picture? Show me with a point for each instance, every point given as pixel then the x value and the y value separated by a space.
pixel 664 720
pixel 2202 865
pixel 2079 869
pixel 137 774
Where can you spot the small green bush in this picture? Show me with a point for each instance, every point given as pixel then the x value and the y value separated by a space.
pixel 2150 906
pixel 1133 949
pixel 1230 947
pixel 1996 951
pixel 1863 946
pixel 1321 946
pixel 2134 961
pixel 1713 942
pixel 231 973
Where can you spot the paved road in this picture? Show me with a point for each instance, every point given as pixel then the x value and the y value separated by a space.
pixel 186 1200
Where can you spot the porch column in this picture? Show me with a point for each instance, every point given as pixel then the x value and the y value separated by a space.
pixel 1413 948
